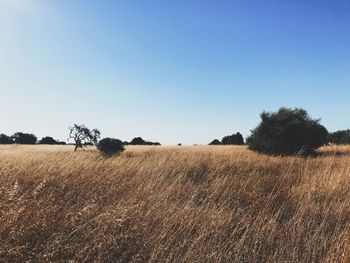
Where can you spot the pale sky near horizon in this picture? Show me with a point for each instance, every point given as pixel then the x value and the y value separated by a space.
pixel 171 71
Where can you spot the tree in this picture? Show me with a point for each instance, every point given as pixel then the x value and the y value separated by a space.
pixel 215 142
pixel 4 139
pixel 340 137
pixel 287 132
pixel 234 139
pixel 48 140
pixel 24 138
pixel 110 146
pixel 83 136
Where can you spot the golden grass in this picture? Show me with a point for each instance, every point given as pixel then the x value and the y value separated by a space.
pixel 173 204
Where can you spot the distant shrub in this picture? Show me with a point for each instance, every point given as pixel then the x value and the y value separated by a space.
pixel 4 139
pixel 179 144
pixel 339 137
pixel 48 140
pixel 287 132
pixel 234 139
pixel 137 141
pixel 140 141
pixel 24 138
pixel 215 142
pixel 110 146
pixel 51 141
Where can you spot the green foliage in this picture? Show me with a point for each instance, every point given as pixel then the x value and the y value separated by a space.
pixel 110 146
pixel 287 132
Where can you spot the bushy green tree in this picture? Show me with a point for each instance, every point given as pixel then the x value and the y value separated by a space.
pixel 287 132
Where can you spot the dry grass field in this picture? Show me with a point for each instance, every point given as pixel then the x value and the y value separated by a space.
pixel 173 204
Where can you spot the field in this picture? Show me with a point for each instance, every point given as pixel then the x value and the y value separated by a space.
pixel 173 204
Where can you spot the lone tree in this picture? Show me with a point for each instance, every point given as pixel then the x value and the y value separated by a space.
pixel 83 136
pixel 110 146
pixel 24 138
pixel 287 132
pixel 234 139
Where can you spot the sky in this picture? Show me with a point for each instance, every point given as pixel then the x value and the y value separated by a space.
pixel 180 71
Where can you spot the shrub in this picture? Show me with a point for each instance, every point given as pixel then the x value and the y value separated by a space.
pixel 234 139
pixel 48 140
pixel 287 132
pixel 4 139
pixel 137 141
pixel 140 141
pixel 110 146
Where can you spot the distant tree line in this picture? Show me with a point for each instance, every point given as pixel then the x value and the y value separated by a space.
pixel 340 137
pixel 27 138
pixel 284 132
pixel 140 141
pixel 287 132
pixel 81 135
pixel 234 139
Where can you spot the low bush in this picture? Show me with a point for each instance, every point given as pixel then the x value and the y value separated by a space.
pixel 110 146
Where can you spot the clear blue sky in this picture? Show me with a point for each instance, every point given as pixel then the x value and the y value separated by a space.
pixel 171 71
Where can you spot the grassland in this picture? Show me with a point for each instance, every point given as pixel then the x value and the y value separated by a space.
pixel 173 204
